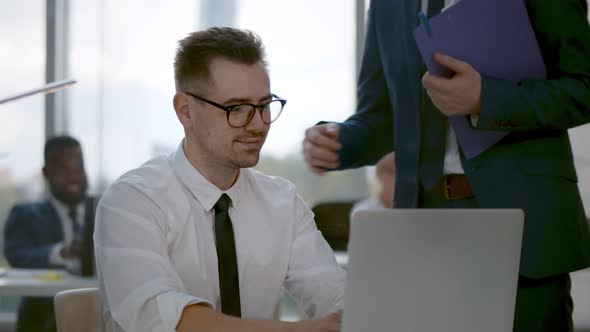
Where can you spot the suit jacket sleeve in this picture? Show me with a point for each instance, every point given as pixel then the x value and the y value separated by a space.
pixel 561 101
pixel 20 246
pixel 368 134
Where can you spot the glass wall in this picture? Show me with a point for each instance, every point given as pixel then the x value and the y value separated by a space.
pixel 22 45
pixel 22 125
pixel 121 109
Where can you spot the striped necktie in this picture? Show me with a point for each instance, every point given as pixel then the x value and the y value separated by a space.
pixel 74 218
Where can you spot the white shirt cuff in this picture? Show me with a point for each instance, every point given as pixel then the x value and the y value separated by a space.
pixel 474 118
pixel 55 257
pixel 172 304
pixel 73 266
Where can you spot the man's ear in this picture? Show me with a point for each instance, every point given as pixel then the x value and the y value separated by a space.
pixel 182 107
pixel 44 170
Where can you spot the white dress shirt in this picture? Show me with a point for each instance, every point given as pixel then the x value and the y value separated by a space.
pixel 63 213
pixel 452 163
pixel 155 246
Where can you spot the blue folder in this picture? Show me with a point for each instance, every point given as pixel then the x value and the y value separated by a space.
pixel 493 36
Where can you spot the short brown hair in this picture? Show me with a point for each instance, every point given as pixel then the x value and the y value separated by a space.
pixel 194 53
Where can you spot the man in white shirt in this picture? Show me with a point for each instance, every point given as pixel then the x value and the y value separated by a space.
pixel 161 229
pixel 49 234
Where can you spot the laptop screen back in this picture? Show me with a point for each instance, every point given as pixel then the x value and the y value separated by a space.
pixel 438 270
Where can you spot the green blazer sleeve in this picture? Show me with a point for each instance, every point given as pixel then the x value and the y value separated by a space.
pixel 562 100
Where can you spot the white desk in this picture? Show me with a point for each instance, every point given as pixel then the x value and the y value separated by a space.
pixel 38 282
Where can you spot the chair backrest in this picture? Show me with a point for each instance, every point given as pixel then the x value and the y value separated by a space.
pixel 333 219
pixel 79 310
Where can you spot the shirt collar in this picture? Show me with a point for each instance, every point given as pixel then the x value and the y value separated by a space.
pixel 63 210
pixel 204 191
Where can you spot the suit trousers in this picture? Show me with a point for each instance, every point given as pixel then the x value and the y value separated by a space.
pixel 543 304
pixel 36 314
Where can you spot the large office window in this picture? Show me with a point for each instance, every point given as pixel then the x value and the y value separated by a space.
pixel 121 108
pixel 22 125
pixel 22 47
pixel 122 56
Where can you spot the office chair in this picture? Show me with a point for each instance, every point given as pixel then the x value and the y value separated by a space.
pixel 332 219
pixel 79 310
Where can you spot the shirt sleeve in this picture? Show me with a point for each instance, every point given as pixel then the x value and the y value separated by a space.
pixel 142 290
pixel 314 278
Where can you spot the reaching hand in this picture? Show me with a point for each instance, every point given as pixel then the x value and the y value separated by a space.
pixel 320 147
pixel 73 249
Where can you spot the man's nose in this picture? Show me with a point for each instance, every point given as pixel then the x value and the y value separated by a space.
pixel 256 124
pixel 75 175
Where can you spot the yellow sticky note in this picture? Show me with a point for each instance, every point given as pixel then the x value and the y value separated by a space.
pixel 49 276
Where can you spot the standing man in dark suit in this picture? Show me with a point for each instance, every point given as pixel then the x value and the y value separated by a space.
pixel 404 109
pixel 49 234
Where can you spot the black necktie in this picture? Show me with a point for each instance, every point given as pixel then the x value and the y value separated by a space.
pixel 74 218
pixel 432 149
pixel 227 263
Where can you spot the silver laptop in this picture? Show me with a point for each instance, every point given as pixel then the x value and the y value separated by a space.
pixel 430 270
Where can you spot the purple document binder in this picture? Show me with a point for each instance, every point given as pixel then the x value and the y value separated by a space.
pixel 493 36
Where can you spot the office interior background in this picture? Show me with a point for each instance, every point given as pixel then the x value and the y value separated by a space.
pixel 121 54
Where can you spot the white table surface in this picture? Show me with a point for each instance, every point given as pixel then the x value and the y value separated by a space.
pixel 40 282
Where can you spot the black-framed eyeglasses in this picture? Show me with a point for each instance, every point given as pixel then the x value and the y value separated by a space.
pixel 240 115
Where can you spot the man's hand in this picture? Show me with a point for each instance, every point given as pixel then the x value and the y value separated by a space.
pixel 201 317
pixel 320 147
pixel 72 250
pixel 329 323
pixel 458 95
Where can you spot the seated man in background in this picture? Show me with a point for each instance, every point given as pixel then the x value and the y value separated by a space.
pixel 383 193
pixel 197 239
pixel 48 234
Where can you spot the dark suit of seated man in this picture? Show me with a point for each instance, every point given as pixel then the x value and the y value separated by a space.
pixel 49 234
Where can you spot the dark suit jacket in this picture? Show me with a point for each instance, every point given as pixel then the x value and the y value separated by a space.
pixel 531 169
pixel 30 232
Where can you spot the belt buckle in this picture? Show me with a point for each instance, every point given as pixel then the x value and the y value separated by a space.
pixel 447 188
pixel 459 192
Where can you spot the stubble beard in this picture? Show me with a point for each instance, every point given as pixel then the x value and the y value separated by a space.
pixel 246 159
